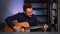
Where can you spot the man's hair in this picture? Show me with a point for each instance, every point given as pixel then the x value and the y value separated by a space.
pixel 26 5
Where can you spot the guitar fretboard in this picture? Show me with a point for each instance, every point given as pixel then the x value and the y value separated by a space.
pixel 33 27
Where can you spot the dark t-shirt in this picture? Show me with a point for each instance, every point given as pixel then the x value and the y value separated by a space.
pixel 21 17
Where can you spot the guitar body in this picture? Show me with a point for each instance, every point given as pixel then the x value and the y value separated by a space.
pixel 23 24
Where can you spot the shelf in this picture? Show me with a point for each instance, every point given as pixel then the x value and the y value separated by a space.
pixel 53 9
pixel 43 21
pixel 39 8
pixel 39 5
pixel 37 1
pixel 41 15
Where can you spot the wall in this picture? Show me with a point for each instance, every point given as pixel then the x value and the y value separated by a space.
pixel 10 7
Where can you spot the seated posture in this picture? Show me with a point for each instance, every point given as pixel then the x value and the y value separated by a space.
pixel 26 16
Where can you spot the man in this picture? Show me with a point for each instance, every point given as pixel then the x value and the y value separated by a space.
pixel 21 17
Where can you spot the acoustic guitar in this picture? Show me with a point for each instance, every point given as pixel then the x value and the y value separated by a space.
pixel 25 27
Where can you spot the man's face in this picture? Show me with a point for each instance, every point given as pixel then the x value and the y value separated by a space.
pixel 29 12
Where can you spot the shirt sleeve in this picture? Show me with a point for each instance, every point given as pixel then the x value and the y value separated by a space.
pixel 9 20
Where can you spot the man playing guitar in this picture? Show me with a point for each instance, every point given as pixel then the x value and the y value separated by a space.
pixel 22 17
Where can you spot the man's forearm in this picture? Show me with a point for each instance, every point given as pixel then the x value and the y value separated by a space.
pixel 9 22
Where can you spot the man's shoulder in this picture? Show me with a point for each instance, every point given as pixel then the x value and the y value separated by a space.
pixel 20 13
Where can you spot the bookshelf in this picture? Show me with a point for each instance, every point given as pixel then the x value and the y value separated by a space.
pixel 46 12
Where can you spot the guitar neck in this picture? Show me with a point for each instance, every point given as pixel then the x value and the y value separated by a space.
pixel 33 27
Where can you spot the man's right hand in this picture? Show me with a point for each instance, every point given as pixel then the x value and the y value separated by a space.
pixel 17 29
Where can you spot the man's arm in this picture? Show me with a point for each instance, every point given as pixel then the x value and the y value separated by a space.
pixel 9 20
pixel 12 19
